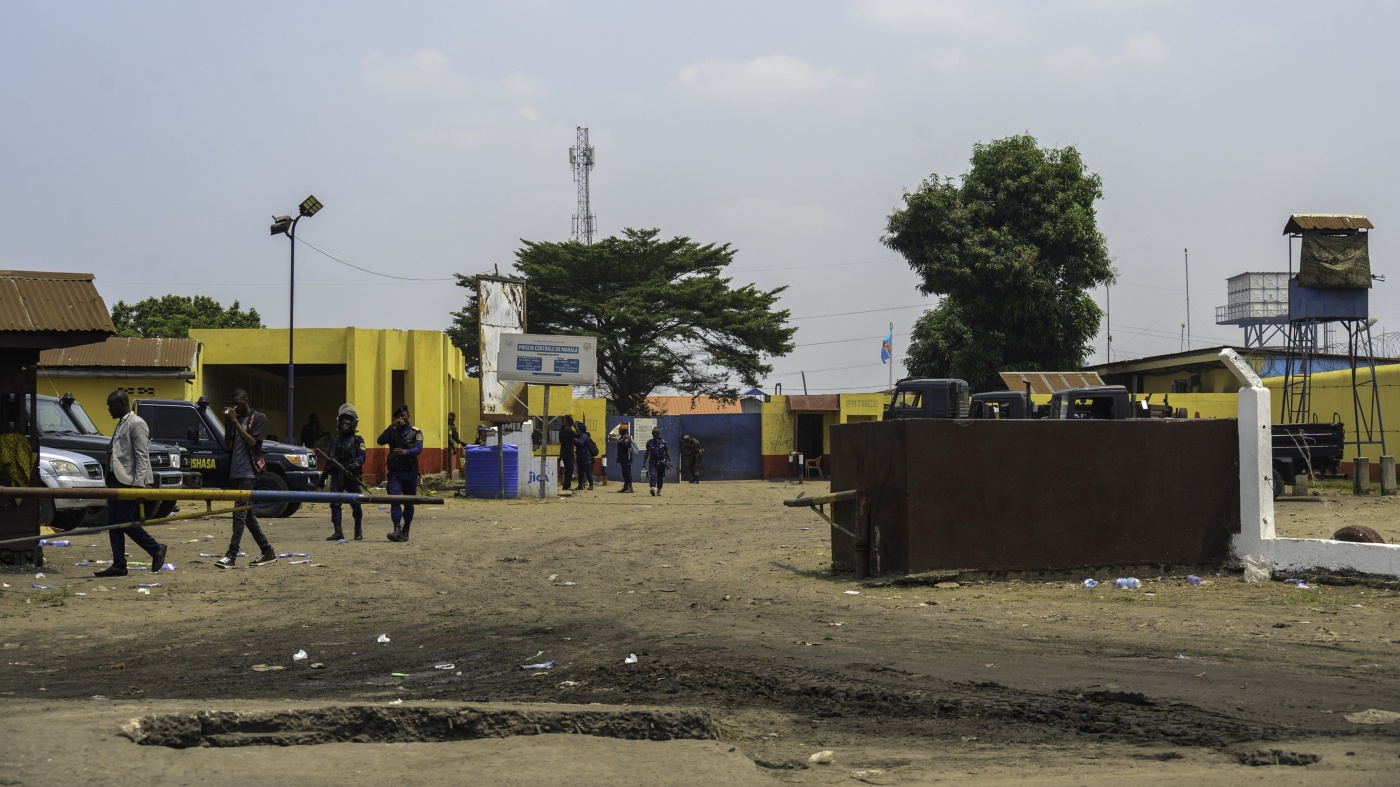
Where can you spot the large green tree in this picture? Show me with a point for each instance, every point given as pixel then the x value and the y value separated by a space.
pixel 1013 249
pixel 172 316
pixel 662 311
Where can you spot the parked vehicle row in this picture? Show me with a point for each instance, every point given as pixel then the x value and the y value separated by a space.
pixel 1297 448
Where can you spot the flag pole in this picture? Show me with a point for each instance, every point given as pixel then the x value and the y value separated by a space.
pixel 891 370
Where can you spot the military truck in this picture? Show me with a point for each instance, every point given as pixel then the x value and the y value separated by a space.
pixel 196 427
pixel 919 397
pixel 1107 402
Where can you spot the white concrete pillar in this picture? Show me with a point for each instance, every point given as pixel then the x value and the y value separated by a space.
pixel 1256 470
pixel 1387 475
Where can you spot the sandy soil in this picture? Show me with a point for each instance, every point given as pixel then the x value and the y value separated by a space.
pixel 726 600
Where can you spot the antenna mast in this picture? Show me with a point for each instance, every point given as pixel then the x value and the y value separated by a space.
pixel 581 158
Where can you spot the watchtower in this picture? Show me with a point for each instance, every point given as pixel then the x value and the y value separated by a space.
pixel 1332 286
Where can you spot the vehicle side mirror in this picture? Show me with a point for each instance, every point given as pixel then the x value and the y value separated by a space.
pixel 192 435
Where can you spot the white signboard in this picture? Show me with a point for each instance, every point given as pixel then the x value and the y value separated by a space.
pixel 501 309
pixel 554 360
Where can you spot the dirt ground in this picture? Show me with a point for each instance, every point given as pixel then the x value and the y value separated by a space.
pixel 727 602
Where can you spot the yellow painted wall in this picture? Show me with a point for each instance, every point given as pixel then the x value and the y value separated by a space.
pixel 1332 399
pixel 92 392
pixel 434 374
pixel 777 427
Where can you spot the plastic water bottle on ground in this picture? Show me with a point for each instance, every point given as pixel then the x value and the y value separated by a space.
pixel 1091 583
pixel 1193 579
pixel 1127 582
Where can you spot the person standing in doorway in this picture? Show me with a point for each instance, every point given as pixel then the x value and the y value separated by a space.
pixel 245 429
pixel 626 450
pixel 128 466
pixel 311 434
pixel 453 441
pixel 583 456
pixel 691 453
pixel 567 437
pixel 658 459
pixel 405 443
pixel 347 455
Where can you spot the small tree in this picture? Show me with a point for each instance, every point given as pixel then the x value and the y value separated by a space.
pixel 662 313
pixel 172 316
pixel 1013 250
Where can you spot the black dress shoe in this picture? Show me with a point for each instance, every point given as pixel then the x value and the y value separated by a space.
pixel 159 559
pixel 110 572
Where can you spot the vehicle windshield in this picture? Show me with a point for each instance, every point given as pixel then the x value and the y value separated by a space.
pixel 53 419
pixel 80 416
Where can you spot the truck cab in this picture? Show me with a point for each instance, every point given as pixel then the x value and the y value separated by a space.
pixel 927 398
pixel 197 428
pixel 1108 403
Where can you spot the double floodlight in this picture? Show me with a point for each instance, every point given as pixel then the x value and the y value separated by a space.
pixel 282 225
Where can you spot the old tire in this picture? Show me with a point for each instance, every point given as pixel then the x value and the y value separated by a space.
pixel 1278 486
pixel 270 481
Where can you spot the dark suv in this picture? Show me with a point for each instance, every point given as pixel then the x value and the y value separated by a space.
pixel 65 425
pixel 199 430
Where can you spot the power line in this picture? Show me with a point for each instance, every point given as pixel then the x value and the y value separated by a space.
pixel 365 270
pixel 865 311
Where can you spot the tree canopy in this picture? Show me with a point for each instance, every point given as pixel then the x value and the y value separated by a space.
pixel 1012 250
pixel 172 316
pixel 663 314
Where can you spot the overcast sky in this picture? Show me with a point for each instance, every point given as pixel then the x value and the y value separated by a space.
pixel 150 143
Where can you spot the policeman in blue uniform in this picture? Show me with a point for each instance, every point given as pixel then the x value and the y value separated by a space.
pixel 405 443
pixel 348 452
pixel 658 456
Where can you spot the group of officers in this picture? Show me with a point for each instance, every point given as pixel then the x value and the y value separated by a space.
pixel 129 466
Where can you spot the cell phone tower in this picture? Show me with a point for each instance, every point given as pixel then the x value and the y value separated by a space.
pixel 581 159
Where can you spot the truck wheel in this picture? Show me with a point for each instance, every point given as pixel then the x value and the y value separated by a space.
pixel 270 481
pixel 292 508
pixel 158 509
pixel 47 512
pixel 1278 486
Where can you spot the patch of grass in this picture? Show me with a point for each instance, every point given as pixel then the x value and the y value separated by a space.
pixel 727 734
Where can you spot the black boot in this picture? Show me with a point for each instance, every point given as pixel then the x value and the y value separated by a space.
pixel 359 529
pixel 336 536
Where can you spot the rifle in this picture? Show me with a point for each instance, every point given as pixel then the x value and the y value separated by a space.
pixel 343 472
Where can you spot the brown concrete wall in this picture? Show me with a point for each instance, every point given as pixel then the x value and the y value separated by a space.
pixel 1028 495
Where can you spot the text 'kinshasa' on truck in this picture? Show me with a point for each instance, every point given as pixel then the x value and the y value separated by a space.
pixel 199 429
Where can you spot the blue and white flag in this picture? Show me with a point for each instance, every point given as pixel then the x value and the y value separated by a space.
pixel 885 347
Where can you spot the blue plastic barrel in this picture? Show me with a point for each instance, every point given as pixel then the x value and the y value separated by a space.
pixel 483 471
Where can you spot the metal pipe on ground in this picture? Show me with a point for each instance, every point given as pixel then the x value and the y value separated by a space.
pixel 861 536
pixel 87 531
pixel 224 495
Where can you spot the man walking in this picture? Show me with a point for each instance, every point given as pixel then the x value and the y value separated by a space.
pixel 658 459
pixel 245 429
pixel 128 466
pixel 626 450
pixel 583 456
pixel 405 443
pixel 691 453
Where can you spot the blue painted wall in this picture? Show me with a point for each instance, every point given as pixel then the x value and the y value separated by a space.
pixel 733 446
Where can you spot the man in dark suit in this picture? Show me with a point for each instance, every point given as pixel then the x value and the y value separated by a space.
pixel 128 466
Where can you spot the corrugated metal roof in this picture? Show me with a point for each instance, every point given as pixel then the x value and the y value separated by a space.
pixel 682 405
pixel 1049 382
pixel 42 301
pixel 1302 222
pixel 125 352
pixel 814 404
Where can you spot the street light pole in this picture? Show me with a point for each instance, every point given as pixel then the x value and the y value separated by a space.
pixel 288 225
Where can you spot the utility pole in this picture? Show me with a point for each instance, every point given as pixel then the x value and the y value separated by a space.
pixel 581 159
pixel 1108 319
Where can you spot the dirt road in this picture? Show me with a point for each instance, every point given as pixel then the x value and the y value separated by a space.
pixel 726 601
